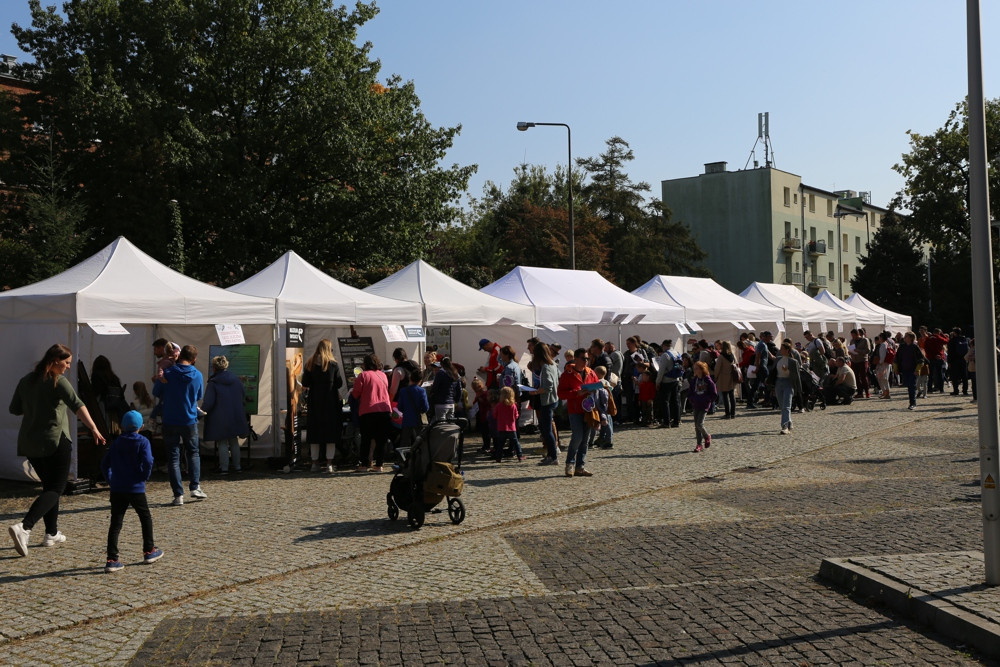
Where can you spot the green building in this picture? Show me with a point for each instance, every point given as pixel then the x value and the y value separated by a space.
pixel 765 225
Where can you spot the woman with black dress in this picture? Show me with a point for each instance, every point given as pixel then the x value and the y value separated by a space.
pixel 323 379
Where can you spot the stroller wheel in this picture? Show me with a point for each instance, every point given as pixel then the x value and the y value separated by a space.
pixel 456 510
pixel 415 517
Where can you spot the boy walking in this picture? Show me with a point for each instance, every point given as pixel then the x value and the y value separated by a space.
pixel 127 465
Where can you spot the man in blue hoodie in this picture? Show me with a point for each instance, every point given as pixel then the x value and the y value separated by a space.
pixel 179 390
pixel 127 466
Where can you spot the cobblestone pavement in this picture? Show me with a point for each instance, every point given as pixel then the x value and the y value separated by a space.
pixel 664 556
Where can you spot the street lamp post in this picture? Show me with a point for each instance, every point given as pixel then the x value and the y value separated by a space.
pixel 523 127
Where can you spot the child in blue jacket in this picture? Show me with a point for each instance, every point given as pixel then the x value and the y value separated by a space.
pixel 127 465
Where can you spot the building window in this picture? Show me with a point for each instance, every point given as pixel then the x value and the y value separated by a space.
pixel 796 267
pixel 788 197
pixel 795 197
pixel 831 271
pixel 788 229
pixel 829 208
pixel 812 203
pixel 847 272
pixel 844 244
pixel 857 245
pixel 812 233
pixel 829 242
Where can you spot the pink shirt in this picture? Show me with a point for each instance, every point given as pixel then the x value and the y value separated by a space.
pixel 506 416
pixel 372 388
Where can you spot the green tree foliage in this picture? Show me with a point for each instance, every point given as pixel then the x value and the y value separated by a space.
pixel 936 192
pixel 265 121
pixel 936 175
pixel 641 238
pixel 893 273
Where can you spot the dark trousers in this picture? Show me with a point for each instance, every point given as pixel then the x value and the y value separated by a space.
pixel 755 391
pixel 668 397
pixel 374 426
pixel 959 375
pixel 909 378
pixel 972 379
pixel 860 369
pixel 728 402
pixel 936 381
pixel 548 435
pixel 54 472
pixel 120 503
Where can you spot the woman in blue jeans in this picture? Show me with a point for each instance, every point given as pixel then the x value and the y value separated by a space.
pixel 544 368
pixel 786 383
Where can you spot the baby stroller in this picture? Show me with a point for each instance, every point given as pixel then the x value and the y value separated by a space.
pixel 430 471
pixel 812 389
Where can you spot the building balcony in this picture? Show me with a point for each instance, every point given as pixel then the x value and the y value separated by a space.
pixel 817 248
pixel 790 245
pixel 817 282
pixel 790 278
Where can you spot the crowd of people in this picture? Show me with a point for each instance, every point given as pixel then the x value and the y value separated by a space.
pixel 594 391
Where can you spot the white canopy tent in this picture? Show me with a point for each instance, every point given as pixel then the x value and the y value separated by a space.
pixel 798 306
pixel 584 300
pixel 329 309
pixel 893 321
pixel 121 284
pixel 710 310
pixel 859 318
pixel 471 314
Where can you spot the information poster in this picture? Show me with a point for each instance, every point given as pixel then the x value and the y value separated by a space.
pixel 440 336
pixel 244 363
pixel 352 355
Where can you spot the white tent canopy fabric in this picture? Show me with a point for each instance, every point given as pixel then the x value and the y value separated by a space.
pixel 119 284
pixel 446 301
pixel 798 306
pixel 893 321
pixel 706 301
pixel 567 297
pixel 858 317
pixel 123 284
pixel 306 294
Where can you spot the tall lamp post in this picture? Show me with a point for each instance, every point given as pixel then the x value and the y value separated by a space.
pixel 523 127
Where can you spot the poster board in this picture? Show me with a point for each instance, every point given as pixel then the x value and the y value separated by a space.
pixel 352 355
pixel 440 336
pixel 244 363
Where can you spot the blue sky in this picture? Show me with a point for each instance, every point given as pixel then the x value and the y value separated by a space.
pixel 682 82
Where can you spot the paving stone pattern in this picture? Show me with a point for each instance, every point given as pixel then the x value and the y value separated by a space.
pixel 664 556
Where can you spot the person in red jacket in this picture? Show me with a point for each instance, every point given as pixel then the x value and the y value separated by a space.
pixel 935 347
pixel 571 390
pixel 493 366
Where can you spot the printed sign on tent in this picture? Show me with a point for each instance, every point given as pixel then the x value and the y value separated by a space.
pixel 230 334
pixel 393 333
pixel 414 333
pixel 108 328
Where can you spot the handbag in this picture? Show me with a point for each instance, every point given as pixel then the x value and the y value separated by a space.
pixel 737 376
pixel 592 418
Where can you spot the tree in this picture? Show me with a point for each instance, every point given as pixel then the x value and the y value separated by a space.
pixel 893 273
pixel 642 239
pixel 265 121
pixel 936 191
pixel 936 175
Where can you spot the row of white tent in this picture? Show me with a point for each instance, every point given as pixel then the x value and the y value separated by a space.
pixel 121 284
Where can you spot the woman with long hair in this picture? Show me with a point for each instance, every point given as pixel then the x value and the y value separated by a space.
pixel 727 376
pixel 41 398
pixel 323 378
pixel 545 397
pixel 110 393
pixel 446 391
pixel 371 388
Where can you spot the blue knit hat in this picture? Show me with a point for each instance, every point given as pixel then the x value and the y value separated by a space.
pixel 131 421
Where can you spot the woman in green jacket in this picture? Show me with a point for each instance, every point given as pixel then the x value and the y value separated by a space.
pixel 42 397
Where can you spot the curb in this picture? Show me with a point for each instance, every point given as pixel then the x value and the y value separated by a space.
pixel 925 608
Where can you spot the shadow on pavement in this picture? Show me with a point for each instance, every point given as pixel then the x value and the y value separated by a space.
pixel 380 526
pixel 47 575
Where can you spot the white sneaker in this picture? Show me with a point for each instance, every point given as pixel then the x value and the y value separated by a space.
pixel 178 500
pixel 198 493
pixel 784 431
pixel 20 537
pixel 52 540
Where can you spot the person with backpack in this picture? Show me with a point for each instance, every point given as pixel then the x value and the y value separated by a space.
pixel 401 372
pixel 668 386
pixel 958 368
pixel 762 359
